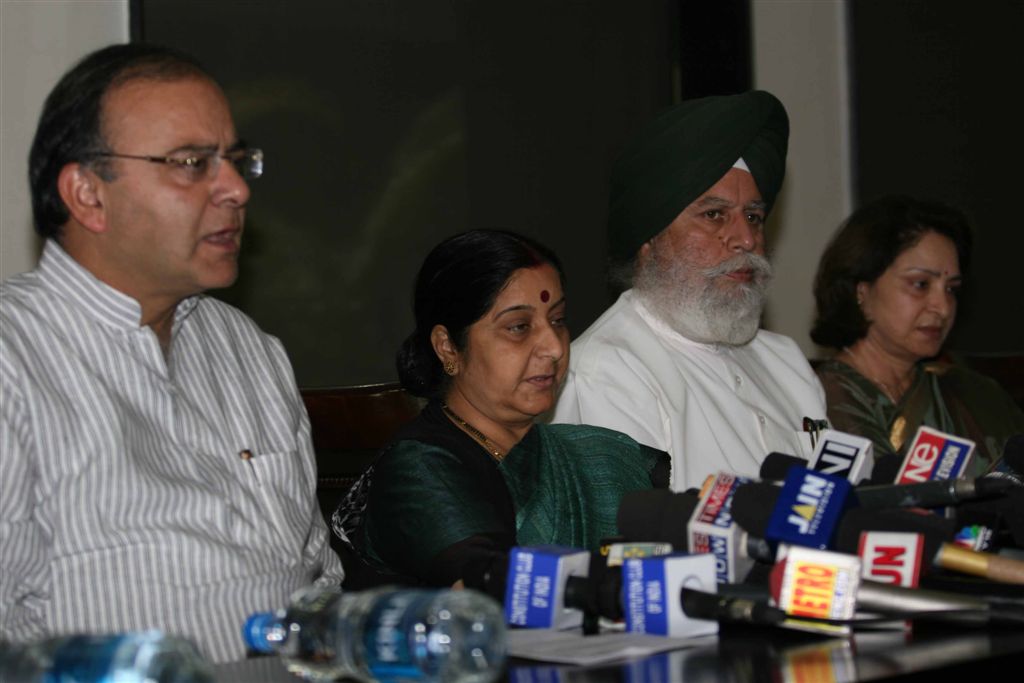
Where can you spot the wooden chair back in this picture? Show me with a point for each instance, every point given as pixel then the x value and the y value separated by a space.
pixel 350 425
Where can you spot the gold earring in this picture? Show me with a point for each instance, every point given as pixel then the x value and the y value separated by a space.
pixel 449 367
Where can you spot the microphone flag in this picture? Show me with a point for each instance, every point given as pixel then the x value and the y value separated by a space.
pixel 935 455
pixel 818 584
pixel 843 455
pixel 892 557
pixel 808 508
pixel 535 589
pixel 651 590
pixel 712 529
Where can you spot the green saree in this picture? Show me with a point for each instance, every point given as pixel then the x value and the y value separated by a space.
pixel 435 487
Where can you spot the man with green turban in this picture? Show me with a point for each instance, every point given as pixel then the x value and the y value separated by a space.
pixel 679 362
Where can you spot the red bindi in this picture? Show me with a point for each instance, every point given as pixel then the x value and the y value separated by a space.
pixel 544 295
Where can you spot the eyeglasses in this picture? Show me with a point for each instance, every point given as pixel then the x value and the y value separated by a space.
pixel 204 165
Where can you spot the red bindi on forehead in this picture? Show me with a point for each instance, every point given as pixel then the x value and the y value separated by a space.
pixel 545 295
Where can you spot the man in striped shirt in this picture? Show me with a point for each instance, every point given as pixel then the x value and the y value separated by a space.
pixel 156 467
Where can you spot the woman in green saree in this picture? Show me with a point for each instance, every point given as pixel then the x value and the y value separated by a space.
pixel 886 299
pixel 473 475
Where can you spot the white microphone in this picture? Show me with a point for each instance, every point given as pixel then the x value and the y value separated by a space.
pixel 536 583
pixel 843 455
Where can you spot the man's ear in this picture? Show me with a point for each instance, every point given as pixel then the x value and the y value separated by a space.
pixel 80 189
pixel 644 253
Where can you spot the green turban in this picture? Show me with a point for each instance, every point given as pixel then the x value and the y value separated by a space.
pixel 679 155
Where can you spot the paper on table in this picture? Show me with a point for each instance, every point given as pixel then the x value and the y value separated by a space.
pixel 572 647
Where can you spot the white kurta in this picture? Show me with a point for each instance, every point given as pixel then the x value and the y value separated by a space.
pixel 140 491
pixel 712 407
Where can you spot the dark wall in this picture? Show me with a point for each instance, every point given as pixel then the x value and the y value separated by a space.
pixel 714 48
pixel 390 124
pixel 935 114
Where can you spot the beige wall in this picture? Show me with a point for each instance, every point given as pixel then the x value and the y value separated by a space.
pixel 800 55
pixel 40 40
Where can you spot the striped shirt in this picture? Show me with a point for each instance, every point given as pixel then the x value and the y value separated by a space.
pixel 128 499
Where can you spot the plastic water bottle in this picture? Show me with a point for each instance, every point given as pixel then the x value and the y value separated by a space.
pixel 385 634
pixel 145 657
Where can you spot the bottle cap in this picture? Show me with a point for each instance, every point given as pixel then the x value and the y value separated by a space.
pixel 256 629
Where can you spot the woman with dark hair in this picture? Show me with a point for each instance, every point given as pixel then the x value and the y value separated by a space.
pixel 886 294
pixel 473 475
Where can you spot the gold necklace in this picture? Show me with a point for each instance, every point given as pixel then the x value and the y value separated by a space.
pixel 489 445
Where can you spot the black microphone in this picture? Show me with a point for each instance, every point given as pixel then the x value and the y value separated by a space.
pixel 736 603
pixel 1004 515
pixel 487 572
pixel 597 594
pixel 753 504
pixel 657 515
pixel 1011 464
pixel 748 604
pixel 937 493
pixel 728 608
pixel 887 466
pixel 775 465
pixel 645 518
pixel 661 516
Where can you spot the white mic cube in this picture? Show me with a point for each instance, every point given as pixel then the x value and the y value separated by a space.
pixel 651 592
pixel 843 455
pixel 535 589
pixel 711 529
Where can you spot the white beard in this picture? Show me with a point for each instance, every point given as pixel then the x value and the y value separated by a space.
pixel 695 304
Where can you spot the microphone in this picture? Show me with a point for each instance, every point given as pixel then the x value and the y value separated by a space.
pixel 940 492
pixel 935 455
pixel 712 530
pixel 930 493
pixel 1011 464
pixel 887 466
pixel 807 508
pixel 656 515
pixel 651 590
pixel 719 607
pixel 662 516
pixel 824 584
pixel 775 465
pixel 536 586
pixel 558 587
pixel 676 596
pixel 753 503
pixel 548 587
pixel 1003 515
pixel 891 557
pixel 843 455
pixel 821 584
pixel 814 583
pixel 933 530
